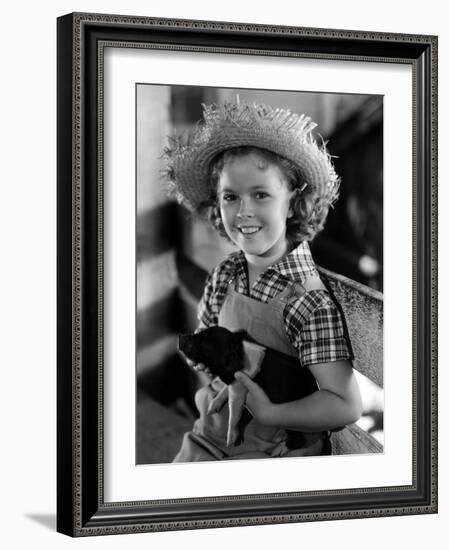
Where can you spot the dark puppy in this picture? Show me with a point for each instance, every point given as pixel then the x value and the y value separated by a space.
pixel 281 376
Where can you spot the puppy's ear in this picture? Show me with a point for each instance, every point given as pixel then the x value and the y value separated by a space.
pixel 234 362
pixel 234 354
pixel 241 334
pixel 231 362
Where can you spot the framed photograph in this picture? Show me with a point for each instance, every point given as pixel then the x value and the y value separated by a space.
pixel 199 167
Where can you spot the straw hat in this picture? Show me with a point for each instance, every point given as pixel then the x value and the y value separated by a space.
pixel 230 125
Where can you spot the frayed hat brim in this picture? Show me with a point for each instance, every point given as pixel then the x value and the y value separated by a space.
pixel 225 127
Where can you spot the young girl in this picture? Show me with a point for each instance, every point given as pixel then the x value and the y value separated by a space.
pixel 264 183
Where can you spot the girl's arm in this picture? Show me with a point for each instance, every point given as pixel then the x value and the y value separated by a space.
pixel 337 403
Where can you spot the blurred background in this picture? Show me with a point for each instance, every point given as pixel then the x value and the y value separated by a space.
pixel 175 251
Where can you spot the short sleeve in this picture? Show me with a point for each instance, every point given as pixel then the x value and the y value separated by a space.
pixel 207 317
pixel 316 329
pixel 214 293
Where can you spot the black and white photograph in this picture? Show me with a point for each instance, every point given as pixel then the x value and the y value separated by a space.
pixel 259 274
pixel 246 271
pixel 220 244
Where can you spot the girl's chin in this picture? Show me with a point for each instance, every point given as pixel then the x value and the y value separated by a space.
pixel 249 248
pixel 259 250
pixel 253 249
pixel 257 245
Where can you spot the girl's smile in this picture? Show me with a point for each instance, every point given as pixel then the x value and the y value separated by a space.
pixel 254 203
pixel 248 231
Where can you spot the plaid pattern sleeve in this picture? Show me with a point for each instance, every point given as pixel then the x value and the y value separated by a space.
pixel 315 328
pixel 214 293
pixel 206 315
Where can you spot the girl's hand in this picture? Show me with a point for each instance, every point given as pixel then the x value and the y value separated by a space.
pixel 201 367
pixel 257 401
pixel 198 367
pixel 203 373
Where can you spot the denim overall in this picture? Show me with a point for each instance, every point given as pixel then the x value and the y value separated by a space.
pixel 264 322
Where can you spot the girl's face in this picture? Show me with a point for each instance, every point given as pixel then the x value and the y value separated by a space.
pixel 254 203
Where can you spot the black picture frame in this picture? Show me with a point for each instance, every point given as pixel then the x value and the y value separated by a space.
pixel 81 510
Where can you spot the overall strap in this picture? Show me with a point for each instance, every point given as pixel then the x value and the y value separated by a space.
pixel 313 283
pixel 297 289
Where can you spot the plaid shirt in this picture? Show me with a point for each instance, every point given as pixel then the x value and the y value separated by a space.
pixel 312 321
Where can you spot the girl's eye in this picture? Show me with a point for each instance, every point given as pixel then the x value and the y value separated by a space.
pixel 228 197
pixel 261 195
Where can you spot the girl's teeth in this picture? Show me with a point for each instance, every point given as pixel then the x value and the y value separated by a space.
pixel 249 230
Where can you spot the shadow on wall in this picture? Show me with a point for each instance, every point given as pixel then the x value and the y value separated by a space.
pixel 352 241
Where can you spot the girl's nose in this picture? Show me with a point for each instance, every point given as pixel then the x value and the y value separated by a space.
pixel 245 208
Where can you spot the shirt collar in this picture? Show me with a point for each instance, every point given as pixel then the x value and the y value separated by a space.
pixel 297 264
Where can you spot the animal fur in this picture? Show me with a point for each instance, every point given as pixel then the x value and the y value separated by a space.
pixel 281 376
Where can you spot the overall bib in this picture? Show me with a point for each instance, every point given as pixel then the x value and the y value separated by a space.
pixel 264 323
